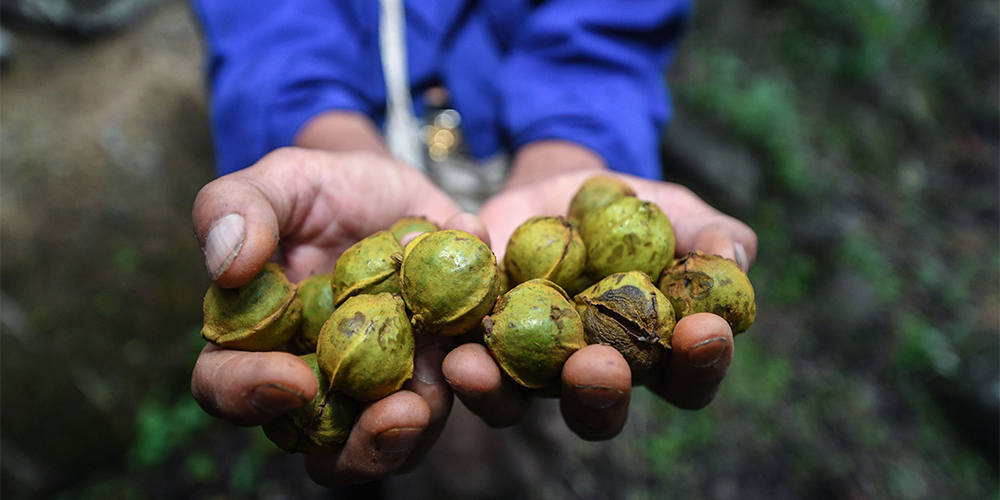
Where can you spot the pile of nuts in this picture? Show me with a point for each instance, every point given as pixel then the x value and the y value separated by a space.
pixel 605 274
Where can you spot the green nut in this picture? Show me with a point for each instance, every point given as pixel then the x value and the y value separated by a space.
pixel 258 316
pixel 533 330
pixel 317 426
pixel 628 235
pixel 546 247
pixel 701 282
pixel 628 312
pixel 596 192
pixel 450 281
pixel 412 224
pixel 369 266
pixel 317 306
pixel 366 347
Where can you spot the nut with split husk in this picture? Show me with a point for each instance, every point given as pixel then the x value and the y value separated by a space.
pixel 367 267
pixel 627 235
pixel 546 247
pixel 701 282
pixel 533 329
pixel 628 312
pixel 595 193
pixel 412 224
pixel 258 316
pixel 317 306
pixel 317 426
pixel 450 281
pixel 366 347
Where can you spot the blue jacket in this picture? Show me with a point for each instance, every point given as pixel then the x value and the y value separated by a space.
pixel 588 71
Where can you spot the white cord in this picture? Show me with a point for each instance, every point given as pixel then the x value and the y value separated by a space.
pixel 401 126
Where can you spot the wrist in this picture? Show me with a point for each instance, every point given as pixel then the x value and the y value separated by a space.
pixel 542 159
pixel 342 131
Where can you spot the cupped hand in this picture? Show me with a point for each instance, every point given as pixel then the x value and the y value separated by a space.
pixel 303 208
pixel 596 381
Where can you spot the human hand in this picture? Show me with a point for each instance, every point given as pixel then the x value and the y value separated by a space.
pixel 596 380
pixel 305 207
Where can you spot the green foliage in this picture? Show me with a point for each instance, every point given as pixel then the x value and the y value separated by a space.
pixel 923 347
pixel 761 110
pixel 783 273
pixel 861 252
pixel 161 429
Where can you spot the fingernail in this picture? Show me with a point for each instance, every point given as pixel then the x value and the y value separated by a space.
pixel 223 244
pixel 597 396
pixel 741 256
pixel 707 352
pixel 427 365
pixel 275 399
pixel 397 440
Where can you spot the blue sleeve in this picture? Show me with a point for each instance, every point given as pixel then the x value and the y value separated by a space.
pixel 273 65
pixel 592 72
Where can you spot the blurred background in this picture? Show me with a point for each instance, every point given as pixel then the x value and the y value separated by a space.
pixel 859 138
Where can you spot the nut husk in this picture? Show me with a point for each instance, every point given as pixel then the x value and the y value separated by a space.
pixel 595 193
pixel 317 306
pixel 366 347
pixel 367 267
pixel 701 282
pixel 412 224
pixel 627 235
pixel 546 247
pixel 533 329
pixel 450 281
pixel 317 426
pixel 628 312
pixel 258 316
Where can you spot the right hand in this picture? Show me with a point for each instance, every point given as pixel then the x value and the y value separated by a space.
pixel 304 208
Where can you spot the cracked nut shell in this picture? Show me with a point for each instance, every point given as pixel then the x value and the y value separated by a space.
pixel 701 282
pixel 628 312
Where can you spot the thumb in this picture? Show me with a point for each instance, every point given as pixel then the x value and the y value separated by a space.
pixel 237 228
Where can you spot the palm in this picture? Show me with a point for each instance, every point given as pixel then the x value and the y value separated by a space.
pixel 696 224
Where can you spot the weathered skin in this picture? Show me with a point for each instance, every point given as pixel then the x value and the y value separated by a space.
pixel 318 426
pixel 533 330
pixel 413 224
pixel 702 282
pixel 317 306
pixel 366 347
pixel 628 312
pixel 450 281
pixel 628 235
pixel 546 247
pixel 367 267
pixel 258 316
pixel 596 192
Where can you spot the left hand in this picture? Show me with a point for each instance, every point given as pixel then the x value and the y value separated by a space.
pixel 596 381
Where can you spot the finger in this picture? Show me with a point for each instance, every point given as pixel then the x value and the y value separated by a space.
pixel 428 382
pixel 380 442
pixel 317 203
pixel 250 388
pixel 697 225
pixel 702 351
pixel 596 390
pixel 469 223
pixel 483 388
pixel 728 239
